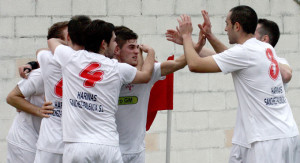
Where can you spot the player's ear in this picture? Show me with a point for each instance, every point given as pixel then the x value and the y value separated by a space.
pixel 103 45
pixel 68 38
pixel 266 38
pixel 237 26
pixel 117 50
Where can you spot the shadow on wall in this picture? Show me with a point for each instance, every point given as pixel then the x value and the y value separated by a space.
pixel 298 1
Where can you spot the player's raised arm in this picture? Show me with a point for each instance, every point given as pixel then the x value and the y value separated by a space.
pixel 145 74
pixel 174 36
pixel 54 42
pixel 194 61
pixel 213 40
pixel 171 66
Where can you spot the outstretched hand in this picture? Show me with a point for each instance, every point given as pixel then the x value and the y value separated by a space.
pixel 201 39
pixel 185 25
pixel 173 35
pixel 206 26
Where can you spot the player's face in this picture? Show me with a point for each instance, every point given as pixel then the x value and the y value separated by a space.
pixel 230 30
pixel 129 52
pixel 111 47
pixel 257 34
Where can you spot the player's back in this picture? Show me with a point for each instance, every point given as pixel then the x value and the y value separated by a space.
pixel 50 138
pixel 91 87
pixel 264 108
pixel 24 131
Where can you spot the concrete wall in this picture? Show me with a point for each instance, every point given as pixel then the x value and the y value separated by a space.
pixel 204 104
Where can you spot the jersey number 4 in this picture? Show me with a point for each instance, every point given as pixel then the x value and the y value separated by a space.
pixel 58 90
pixel 91 75
pixel 274 68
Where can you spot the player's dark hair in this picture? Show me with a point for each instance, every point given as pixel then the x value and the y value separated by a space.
pixel 123 34
pixel 246 17
pixel 95 33
pixel 76 28
pixel 56 30
pixel 269 28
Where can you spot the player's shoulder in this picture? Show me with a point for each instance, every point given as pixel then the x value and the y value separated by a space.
pixel 35 74
pixel 44 53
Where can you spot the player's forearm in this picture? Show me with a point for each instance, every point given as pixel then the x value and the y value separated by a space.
pixel 149 63
pixel 18 101
pixel 218 46
pixel 190 53
pixel 53 43
pixel 286 73
pixel 140 60
pixel 205 52
pixel 171 66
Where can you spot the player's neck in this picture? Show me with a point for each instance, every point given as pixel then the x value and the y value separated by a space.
pixel 244 37
pixel 77 47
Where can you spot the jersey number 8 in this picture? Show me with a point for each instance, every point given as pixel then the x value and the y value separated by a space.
pixel 274 68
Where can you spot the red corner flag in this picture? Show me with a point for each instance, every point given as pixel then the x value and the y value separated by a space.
pixel 161 97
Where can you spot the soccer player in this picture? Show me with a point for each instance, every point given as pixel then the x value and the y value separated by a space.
pixel 50 143
pixel 265 129
pixel 24 133
pixel 28 98
pixel 268 31
pixel 133 102
pixel 91 87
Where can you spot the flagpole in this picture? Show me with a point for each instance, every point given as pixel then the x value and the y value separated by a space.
pixel 168 148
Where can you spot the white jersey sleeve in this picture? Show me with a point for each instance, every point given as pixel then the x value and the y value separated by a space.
pixel 127 72
pixel 33 86
pixel 232 60
pixel 156 74
pixel 44 57
pixel 283 61
pixel 63 54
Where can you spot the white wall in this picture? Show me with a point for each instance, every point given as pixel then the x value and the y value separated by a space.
pixel 204 104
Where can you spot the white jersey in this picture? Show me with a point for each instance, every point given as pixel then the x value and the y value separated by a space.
pixel 91 88
pixel 131 116
pixel 50 139
pixel 285 62
pixel 24 131
pixel 263 112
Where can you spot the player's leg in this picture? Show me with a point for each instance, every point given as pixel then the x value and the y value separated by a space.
pixel 297 153
pixel 238 154
pixel 273 151
pixel 134 158
pixel 46 157
pixel 18 155
pixel 92 153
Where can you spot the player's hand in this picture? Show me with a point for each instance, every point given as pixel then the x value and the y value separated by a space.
pixel 46 109
pixel 24 71
pixel 201 39
pixel 146 48
pixel 173 36
pixel 206 24
pixel 185 25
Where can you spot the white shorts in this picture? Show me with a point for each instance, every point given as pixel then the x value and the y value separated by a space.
pixel 134 158
pixel 18 155
pixel 87 152
pixel 270 151
pixel 47 157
